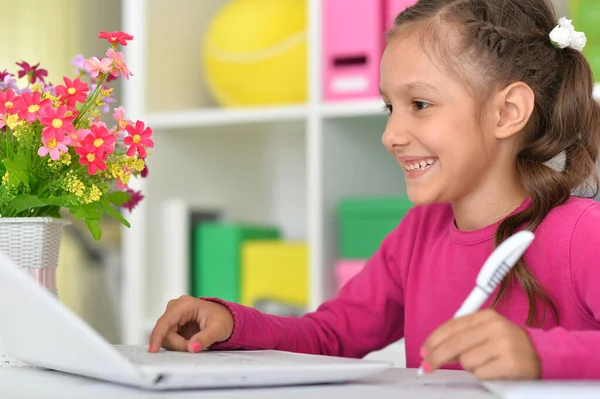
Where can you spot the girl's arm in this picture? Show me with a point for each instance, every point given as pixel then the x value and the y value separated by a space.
pixel 565 353
pixel 367 315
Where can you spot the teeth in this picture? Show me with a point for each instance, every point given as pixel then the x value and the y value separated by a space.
pixel 424 164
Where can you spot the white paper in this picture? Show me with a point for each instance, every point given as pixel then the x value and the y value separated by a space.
pixel 545 389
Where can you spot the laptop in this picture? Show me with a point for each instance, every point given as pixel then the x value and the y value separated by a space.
pixel 35 327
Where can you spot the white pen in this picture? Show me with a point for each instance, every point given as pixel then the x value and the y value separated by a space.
pixel 493 271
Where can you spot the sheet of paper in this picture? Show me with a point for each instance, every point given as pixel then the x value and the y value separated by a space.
pixel 441 384
pixel 545 389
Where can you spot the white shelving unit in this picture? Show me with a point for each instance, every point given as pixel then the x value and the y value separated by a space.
pixel 287 165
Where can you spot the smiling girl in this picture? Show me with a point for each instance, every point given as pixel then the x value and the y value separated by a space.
pixel 492 120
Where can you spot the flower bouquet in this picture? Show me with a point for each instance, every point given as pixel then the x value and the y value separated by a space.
pixel 56 150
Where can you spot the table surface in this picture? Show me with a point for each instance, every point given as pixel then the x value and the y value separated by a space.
pixel 395 383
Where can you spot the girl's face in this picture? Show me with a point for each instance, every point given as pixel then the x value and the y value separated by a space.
pixel 435 129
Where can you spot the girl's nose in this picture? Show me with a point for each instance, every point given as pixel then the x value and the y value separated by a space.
pixel 395 135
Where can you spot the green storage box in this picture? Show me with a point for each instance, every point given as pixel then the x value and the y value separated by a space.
pixel 217 262
pixel 365 222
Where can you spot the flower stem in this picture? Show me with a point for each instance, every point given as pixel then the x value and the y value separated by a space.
pixel 91 99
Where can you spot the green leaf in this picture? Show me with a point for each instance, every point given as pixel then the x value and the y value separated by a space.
pixel 27 201
pixel 94 228
pixel 118 197
pixel 88 211
pixel 111 212
pixel 18 169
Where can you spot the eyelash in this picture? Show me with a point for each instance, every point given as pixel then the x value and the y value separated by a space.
pixel 388 107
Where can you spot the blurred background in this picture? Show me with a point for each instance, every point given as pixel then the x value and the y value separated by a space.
pixel 268 184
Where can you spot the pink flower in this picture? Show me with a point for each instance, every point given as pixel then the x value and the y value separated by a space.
pixel 99 139
pixel 73 91
pixel 144 172
pixel 119 115
pixel 32 72
pixel 7 101
pixel 96 66
pixel 30 106
pixel 54 145
pixel 118 63
pixel 78 136
pixel 120 185
pixel 56 122
pixel 3 118
pixel 115 37
pixel 93 159
pixel 134 200
pixel 138 139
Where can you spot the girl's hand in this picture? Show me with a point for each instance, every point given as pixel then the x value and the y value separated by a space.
pixel 484 343
pixel 191 324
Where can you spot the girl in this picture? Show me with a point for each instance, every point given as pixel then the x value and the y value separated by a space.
pixel 492 120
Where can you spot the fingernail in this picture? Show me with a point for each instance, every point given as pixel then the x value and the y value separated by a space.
pixel 196 346
pixel 150 348
pixel 423 352
pixel 426 368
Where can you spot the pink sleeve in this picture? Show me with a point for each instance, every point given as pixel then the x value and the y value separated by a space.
pixel 367 315
pixel 569 354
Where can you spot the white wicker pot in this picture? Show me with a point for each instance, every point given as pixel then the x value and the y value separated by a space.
pixel 34 245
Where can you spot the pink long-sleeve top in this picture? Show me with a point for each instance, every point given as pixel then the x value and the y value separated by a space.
pixel 421 274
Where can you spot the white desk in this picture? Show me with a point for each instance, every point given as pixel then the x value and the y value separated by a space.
pixel 396 383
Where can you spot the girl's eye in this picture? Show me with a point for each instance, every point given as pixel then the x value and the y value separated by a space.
pixel 421 105
pixel 388 108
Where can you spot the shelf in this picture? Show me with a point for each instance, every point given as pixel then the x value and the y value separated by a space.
pixel 354 108
pixel 224 116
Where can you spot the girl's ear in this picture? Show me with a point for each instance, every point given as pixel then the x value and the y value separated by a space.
pixel 513 108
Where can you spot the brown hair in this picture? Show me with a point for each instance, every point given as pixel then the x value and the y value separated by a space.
pixel 507 41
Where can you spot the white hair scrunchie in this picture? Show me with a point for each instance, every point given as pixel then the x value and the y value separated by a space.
pixel 565 35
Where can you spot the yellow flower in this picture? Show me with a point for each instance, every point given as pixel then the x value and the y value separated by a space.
pixel 106 93
pixel 65 159
pixel 138 165
pixel 114 169
pixel 75 186
pixel 93 195
pixel 36 87
pixel 13 121
pixel 5 179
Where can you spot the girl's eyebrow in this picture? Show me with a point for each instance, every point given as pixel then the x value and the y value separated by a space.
pixel 417 85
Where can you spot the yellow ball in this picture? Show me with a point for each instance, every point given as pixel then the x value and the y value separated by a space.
pixel 254 53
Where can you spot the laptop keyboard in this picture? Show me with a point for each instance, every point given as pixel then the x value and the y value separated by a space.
pixel 140 355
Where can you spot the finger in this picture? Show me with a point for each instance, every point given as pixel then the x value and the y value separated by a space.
pixel 204 339
pixel 478 356
pixel 454 327
pixel 495 369
pixel 174 342
pixel 171 318
pixel 463 341
pixel 160 331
